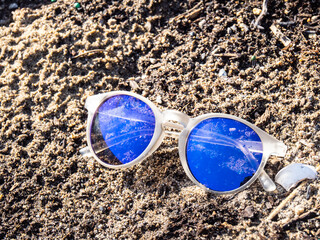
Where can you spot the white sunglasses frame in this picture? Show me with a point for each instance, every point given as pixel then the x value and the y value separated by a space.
pixel 180 121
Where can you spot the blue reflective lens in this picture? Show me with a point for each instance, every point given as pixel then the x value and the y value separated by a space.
pixel 223 154
pixel 122 129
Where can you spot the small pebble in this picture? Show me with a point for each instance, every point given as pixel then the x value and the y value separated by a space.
pixel 13 6
pixel 299 210
pixel 308 192
pixel 148 26
pixel 112 22
pixel 201 23
pixel 134 85
pixel 232 29
pixel 268 205
pixel 101 21
pixel 222 73
pixel 312 35
pixel 192 34
pixel 271 200
pixel 152 60
pixel 244 27
pixel 248 212
pixel 144 77
pixel 108 66
pixel 158 99
pixel 256 11
pixel 140 213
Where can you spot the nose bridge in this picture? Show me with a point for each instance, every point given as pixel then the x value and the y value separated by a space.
pixel 173 115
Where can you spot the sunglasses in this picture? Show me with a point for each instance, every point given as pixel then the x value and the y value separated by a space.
pixel 219 152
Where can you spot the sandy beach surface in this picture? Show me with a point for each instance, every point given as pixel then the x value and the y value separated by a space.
pixel 193 56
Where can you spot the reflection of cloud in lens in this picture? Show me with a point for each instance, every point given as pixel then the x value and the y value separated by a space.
pixel 128 156
pixel 248 133
pixel 237 165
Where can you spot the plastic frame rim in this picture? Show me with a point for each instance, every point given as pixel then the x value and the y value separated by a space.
pixel 183 143
pixel 270 145
pixel 154 143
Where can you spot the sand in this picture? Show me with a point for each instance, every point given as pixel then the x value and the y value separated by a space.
pixel 53 56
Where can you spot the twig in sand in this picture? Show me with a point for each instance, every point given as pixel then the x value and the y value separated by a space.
pixel 290 23
pixel 284 202
pixel 264 11
pixel 90 52
pixel 190 14
pixel 287 199
pixel 232 55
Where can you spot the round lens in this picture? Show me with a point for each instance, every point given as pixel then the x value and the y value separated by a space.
pixel 122 129
pixel 223 154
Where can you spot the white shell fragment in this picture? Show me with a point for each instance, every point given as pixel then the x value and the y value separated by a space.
pixel 289 176
pixel 222 73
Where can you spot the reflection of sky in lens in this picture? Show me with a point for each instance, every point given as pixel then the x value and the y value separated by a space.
pixel 127 126
pixel 222 153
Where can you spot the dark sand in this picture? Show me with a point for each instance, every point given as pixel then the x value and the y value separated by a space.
pixel 164 51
